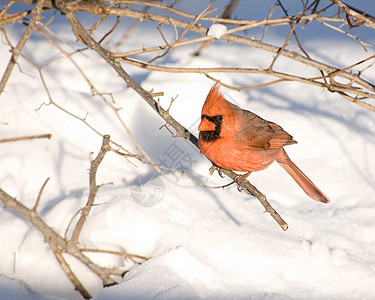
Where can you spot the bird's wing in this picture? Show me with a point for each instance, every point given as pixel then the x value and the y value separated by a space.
pixel 281 137
pixel 261 134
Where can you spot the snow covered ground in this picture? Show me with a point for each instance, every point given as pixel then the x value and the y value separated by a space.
pixel 202 243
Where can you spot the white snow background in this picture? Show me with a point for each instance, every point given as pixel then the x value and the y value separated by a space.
pixel 202 243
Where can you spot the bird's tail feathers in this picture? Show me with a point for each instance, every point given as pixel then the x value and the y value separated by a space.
pixel 303 181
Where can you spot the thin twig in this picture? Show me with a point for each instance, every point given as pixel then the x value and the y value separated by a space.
pixel 54 103
pixel 23 138
pixel 40 194
pixel 93 189
pixel 130 30
pixel 186 30
pixel 111 30
pixel 245 88
pixel 125 255
pixel 364 45
pixel 284 45
pixel 313 5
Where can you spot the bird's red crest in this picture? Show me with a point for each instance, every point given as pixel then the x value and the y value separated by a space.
pixel 215 103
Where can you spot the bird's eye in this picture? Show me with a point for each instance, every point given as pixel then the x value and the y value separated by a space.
pixel 218 119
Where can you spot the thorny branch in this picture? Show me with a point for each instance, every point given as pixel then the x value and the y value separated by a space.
pixel 17 50
pixel 93 189
pixel 360 16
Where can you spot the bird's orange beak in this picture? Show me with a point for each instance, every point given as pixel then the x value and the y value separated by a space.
pixel 206 125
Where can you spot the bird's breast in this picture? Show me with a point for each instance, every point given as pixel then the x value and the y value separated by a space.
pixel 230 154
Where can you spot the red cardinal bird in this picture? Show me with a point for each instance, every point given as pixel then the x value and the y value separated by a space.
pixel 239 140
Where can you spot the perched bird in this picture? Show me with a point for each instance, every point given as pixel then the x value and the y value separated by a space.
pixel 236 139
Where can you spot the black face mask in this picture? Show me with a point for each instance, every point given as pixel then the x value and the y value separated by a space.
pixel 212 135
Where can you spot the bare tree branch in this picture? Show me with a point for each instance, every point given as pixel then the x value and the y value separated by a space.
pixel 93 189
pixel 69 272
pixel 59 245
pixel 362 17
pixel 231 38
pixel 331 86
pixel 17 50
pixel 109 103
pixel 252 190
pixel 83 35
pixel 102 8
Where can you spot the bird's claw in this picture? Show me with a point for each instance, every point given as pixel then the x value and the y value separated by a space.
pixel 216 168
pixel 240 178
